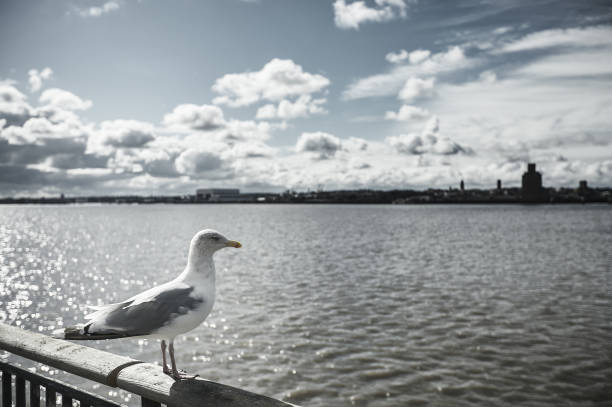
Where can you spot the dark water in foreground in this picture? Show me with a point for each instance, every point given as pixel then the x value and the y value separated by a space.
pixel 344 305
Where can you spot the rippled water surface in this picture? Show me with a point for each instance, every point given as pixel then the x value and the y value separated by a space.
pixel 344 305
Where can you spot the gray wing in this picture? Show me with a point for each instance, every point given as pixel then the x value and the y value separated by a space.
pixel 143 318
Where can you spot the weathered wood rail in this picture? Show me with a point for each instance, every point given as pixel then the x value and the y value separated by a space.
pixel 144 379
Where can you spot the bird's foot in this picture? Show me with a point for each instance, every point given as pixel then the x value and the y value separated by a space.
pixel 166 370
pixel 182 375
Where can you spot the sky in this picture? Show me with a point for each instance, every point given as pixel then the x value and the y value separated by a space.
pixel 163 97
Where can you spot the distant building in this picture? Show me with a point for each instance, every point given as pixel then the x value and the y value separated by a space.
pixel 462 186
pixel 531 187
pixel 499 185
pixel 583 190
pixel 218 194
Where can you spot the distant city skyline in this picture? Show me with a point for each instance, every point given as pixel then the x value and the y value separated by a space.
pixel 152 97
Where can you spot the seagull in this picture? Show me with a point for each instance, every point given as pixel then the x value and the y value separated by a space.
pixel 165 311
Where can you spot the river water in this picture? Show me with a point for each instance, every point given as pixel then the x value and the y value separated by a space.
pixel 343 305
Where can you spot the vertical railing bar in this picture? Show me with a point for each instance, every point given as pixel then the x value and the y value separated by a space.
pixel 20 400
pixel 66 401
pixel 7 391
pixel 50 397
pixel 34 394
pixel 149 403
pixel 84 398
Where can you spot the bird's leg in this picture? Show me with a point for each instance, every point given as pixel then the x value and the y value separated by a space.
pixel 164 364
pixel 175 372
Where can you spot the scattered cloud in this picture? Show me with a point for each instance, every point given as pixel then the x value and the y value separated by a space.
pixel 419 55
pixel 352 15
pixel 97 11
pixel 279 79
pixel 323 145
pixel 304 106
pixel 59 98
pixel 36 78
pixel 247 131
pixel 593 36
pixel 415 88
pixel 200 163
pixel 407 113
pixel 429 142
pixel 194 117
pixel 126 133
pixel 397 57
pixel 559 63
pixel 422 64
pixel 502 30
pixel 14 108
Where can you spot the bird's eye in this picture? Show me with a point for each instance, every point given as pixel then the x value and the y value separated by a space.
pixel 215 238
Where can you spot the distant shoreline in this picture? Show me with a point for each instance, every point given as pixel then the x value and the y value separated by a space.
pixel 512 195
pixel 454 203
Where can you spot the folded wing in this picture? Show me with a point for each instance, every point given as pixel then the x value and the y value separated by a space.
pixel 143 314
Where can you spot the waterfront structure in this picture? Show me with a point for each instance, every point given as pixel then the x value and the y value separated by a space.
pixel 462 186
pixel 531 186
pixel 499 185
pixel 583 191
pixel 217 194
pixel 142 379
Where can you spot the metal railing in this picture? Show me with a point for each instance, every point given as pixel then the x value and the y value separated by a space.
pixel 51 389
pixel 140 378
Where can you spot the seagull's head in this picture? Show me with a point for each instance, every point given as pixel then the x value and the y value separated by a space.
pixel 209 241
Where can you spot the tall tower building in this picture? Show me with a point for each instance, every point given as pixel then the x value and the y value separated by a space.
pixel 532 190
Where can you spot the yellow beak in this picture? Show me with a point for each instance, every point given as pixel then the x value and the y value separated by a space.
pixel 233 243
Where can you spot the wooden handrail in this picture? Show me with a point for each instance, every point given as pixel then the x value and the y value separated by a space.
pixel 144 379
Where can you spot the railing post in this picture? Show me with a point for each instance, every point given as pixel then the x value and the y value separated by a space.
pixel 7 391
pixel 50 398
pixel 20 391
pixel 34 394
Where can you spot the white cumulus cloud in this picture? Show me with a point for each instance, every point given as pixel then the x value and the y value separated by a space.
pixel 428 142
pixel 415 57
pixel 415 88
pixel 406 113
pixel 419 55
pixel 323 145
pixel 421 64
pixel 63 99
pixel 36 78
pixel 279 79
pixel 351 15
pixel 200 163
pixel 304 106
pixel 397 57
pixel 194 117
pixel 14 108
pixel 126 133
